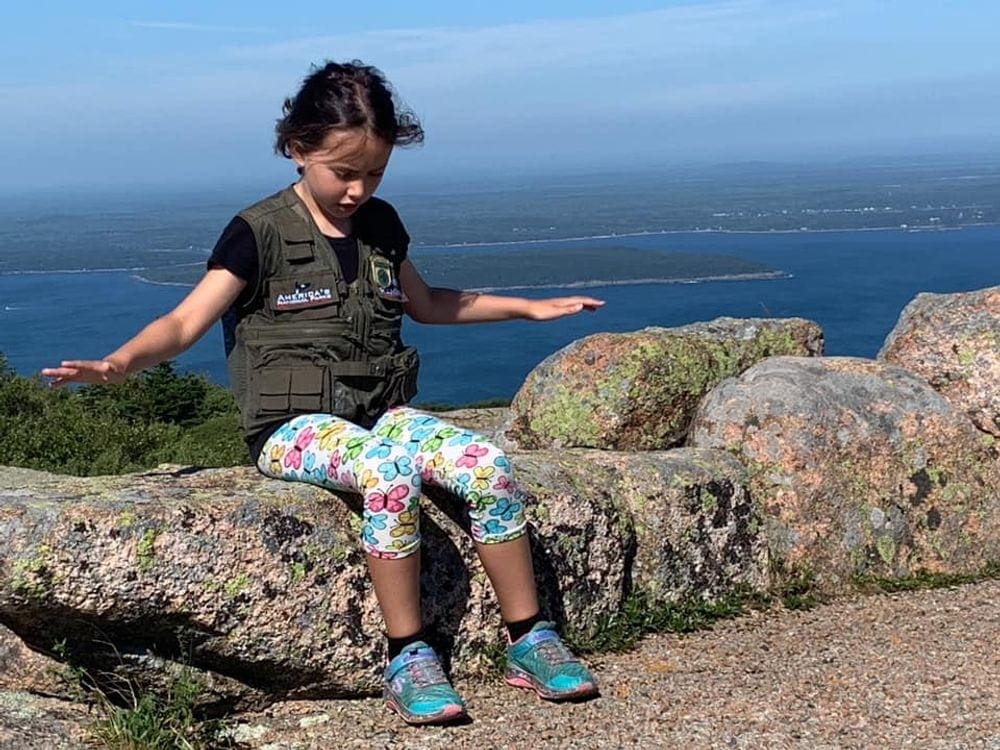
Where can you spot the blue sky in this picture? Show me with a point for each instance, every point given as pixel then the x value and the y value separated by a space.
pixel 167 93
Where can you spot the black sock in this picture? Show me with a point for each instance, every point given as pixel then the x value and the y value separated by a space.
pixel 517 629
pixel 395 645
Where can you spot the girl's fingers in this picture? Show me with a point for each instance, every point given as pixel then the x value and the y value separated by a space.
pixel 59 372
pixel 77 371
pixel 84 364
pixel 580 303
pixel 585 301
pixel 60 376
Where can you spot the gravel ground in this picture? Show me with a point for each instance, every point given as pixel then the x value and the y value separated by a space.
pixel 909 670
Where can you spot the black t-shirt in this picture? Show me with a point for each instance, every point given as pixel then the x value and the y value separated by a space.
pixel 236 251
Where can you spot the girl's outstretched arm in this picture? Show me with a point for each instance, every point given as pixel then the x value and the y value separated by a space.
pixel 433 305
pixel 162 339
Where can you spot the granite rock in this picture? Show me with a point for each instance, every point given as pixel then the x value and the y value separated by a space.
pixel 639 390
pixel 260 586
pixel 860 469
pixel 953 342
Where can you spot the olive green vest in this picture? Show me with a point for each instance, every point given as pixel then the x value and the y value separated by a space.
pixel 312 343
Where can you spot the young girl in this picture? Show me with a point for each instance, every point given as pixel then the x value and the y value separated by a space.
pixel 312 284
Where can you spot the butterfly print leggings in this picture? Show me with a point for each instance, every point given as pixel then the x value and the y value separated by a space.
pixel 387 467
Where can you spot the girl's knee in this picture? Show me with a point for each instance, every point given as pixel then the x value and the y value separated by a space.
pixel 393 553
pixel 390 484
pixel 506 525
pixel 391 526
pixel 496 503
pixel 384 462
pixel 482 467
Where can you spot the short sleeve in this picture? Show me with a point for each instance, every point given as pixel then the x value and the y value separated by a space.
pixel 236 251
pixel 379 224
pixel 402 235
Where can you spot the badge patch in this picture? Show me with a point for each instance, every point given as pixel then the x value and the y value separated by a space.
pixel 303 296
pixel 385 280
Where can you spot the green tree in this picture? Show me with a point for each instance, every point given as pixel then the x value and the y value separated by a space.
pixel 6 371
pixel 150 419
pixel 173 398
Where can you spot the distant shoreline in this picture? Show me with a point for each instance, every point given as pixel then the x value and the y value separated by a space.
pixel 629 282
pixel 539 241
pixel 658 232
pixel 144 280
pixel 588 284
pixel 33 272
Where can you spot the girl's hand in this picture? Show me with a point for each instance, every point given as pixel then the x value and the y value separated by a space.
pixel 92 371
pixel 558 307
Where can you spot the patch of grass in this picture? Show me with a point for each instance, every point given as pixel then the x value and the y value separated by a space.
pixel 797 588
pixel 638 617
pixel 926 580
pixel 167 723
pixel 129 721
pixel 799 592
pixel 495 655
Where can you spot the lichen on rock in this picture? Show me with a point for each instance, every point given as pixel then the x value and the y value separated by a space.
pixel 638 391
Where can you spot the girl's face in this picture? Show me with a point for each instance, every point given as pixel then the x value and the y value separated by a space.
pixel 343 172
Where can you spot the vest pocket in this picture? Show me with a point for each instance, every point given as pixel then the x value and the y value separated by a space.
pixel 402 384
pixel 297 390
pixel 306 391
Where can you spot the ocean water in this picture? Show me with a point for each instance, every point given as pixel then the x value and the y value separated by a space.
pixel 854 284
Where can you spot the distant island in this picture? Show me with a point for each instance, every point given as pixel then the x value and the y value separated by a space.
pixel 173 227
pixel 505 269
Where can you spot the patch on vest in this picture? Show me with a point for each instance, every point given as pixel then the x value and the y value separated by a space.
pixel 303 296
pixel 385 280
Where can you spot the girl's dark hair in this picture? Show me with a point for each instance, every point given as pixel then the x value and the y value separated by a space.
pixel 340 96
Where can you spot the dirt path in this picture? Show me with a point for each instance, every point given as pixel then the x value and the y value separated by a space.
pixel 910 670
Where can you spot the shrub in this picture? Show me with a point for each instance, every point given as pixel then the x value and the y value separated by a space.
pixel 157 417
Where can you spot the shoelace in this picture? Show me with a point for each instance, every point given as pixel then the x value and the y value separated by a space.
pixel 554 651
pixel 426 672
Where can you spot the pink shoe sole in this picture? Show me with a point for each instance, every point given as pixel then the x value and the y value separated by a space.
pixel 451 713
pixel 585 690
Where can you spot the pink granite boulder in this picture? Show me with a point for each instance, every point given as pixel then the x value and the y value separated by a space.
pixel 860 469
pixel 953 342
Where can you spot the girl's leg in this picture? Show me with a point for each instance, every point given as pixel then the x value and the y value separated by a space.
pixel 475 469
pixel 337 454
pixel 397 588
pixel 471 467
pixel 508 565
pixel 331 452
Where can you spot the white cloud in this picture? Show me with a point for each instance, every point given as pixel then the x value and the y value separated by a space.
pixel 182 26
pixel 674 59
pixel 454 54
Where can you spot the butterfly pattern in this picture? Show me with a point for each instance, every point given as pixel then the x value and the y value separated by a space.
pixel 387 467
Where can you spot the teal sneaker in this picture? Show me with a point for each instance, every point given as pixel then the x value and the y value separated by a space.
pixel 416 688
pixel 540 661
